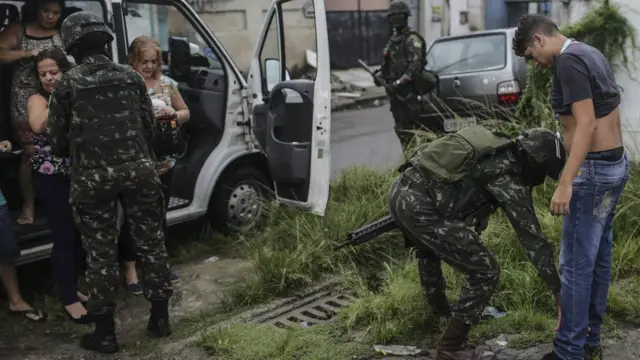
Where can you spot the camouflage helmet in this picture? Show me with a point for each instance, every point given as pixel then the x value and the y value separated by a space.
pixel 398 7
pixel 78 25
pixel 544 149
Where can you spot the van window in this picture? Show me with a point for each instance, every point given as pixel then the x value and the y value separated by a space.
pixel 162 22
pixel 469 54
pixel 94 6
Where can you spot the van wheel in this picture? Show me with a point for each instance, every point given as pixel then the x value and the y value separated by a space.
pixel 238 202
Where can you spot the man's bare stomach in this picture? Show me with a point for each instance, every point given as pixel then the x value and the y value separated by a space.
pixel 608 134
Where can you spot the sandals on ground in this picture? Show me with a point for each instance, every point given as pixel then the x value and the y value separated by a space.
pixel 34 315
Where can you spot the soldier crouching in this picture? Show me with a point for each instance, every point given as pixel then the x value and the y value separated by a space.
pixel 442 201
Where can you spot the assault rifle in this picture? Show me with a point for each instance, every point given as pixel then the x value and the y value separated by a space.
pixel 368 232
pixel 380 80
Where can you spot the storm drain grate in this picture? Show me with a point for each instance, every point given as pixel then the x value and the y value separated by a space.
pixel 307 311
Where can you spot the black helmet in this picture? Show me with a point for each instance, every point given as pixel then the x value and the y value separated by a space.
pixel 80 24
pixel 544 149
pixel 398 7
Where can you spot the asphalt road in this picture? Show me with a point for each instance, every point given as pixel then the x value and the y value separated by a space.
pixel 364 138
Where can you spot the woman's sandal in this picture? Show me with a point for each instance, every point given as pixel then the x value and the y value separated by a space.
pixel 25 220
pixel 84 319
pixel 33 314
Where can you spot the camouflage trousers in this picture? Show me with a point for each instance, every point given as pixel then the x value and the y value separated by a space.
pixel 438 239
pixel 95 207
pixel 406 118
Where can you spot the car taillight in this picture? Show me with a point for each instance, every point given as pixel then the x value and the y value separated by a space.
pixel 508 92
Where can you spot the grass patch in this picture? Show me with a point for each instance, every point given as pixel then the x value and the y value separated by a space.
pixel 258 342
pixel 295 251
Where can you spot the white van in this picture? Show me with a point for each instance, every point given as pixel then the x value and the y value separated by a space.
pixel 243 135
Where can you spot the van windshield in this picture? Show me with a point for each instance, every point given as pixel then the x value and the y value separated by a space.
pixel 469 54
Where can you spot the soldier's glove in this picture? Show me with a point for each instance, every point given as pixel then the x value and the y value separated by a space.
pixel 392 88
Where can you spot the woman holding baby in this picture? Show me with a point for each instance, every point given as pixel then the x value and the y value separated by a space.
pixel 145 57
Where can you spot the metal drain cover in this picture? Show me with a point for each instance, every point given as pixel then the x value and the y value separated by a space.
pixel 313 309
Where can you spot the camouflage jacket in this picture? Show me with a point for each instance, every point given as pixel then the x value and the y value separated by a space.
pixel 404 57
pixel 113 124
pixel 510 193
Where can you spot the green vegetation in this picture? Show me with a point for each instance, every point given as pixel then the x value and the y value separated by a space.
pixel 295 251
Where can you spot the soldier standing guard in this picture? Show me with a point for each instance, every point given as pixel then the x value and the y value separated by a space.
pixel 403 69
pixel 101 116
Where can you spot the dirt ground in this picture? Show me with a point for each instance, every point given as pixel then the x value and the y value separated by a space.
pixel 200 288
pixel 195 301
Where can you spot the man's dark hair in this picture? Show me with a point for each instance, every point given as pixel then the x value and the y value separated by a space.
pixel 528 25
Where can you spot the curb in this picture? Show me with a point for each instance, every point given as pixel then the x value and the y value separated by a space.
pixel 358 101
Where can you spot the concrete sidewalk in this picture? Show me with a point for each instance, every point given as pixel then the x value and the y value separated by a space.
pixel 353 87
pixel 368 95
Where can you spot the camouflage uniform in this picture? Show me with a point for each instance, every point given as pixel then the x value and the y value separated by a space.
pixel 101 116
pixel 423 208
pixel 412 204
pixel 403 68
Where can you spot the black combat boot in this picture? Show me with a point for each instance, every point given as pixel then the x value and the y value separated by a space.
pixel 452 346
pixel 158 325
pixel 551 356
pixel 103 339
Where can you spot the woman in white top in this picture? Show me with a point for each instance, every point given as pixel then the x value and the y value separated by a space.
pixel 146 58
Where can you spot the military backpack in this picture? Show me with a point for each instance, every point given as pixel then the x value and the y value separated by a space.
pixel 451 157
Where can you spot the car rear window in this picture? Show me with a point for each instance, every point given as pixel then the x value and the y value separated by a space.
pixel 469 54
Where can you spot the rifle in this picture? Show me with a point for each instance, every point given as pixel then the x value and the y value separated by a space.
pixel 368 232
pixel 380 80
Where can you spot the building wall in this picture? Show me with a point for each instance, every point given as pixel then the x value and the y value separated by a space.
pixel 237 24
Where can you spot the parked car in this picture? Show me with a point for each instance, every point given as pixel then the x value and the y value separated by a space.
pixel 248 137
pixel 480 77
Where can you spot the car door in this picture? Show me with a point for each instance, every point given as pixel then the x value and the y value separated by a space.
pixel 292 117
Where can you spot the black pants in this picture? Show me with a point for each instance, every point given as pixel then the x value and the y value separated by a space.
pixel 126 247
pixel 67 255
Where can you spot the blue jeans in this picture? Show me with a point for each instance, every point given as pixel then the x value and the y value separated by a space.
pixel 585 254
pixel 67 254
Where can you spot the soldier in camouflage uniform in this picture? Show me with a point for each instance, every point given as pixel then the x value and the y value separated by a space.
pixel 403 69
pixel 100 116
pixel 442 219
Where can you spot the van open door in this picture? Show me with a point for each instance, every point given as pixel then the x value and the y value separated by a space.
pixel 291 119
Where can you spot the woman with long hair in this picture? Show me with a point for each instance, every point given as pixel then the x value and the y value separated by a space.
pixel 19 44
pixel 52 186
pixel 146 58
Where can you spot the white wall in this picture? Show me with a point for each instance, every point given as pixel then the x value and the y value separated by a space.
pixel 628 80
pixel 455 7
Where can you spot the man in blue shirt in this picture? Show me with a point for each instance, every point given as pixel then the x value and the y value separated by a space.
pixel 585 99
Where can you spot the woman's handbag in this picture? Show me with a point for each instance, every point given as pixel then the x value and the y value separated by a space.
pixel 170 139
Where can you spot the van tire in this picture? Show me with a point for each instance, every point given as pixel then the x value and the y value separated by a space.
pixel 239 196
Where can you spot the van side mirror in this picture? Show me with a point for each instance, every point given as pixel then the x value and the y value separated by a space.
pixel 179 58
